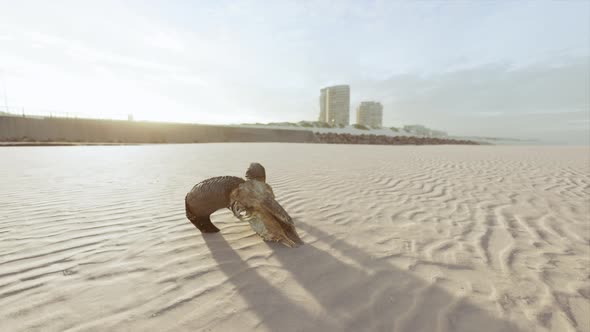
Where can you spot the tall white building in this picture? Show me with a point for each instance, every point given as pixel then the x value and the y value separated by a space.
pixel 370 113
pixel 335 105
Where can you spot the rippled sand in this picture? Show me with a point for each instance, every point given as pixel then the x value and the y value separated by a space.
pixel 405 238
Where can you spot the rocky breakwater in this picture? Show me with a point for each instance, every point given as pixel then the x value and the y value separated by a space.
pixel 332 138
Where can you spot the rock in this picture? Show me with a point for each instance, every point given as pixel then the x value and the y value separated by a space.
pixel 333 138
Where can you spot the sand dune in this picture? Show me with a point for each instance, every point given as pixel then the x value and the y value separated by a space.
pixel 398 238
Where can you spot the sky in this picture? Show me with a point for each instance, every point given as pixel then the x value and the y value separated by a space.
pixel 485 68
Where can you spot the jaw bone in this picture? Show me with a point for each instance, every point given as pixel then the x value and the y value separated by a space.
pixel 253 201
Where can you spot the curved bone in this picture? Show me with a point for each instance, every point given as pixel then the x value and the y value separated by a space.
pixel 212 194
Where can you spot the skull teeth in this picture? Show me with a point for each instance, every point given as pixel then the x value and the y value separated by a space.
pixel 240 212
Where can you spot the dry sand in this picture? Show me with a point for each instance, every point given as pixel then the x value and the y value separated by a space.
pixel 404 238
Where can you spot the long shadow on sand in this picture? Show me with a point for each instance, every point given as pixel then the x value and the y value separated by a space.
pixel 276 311
pixel 360 295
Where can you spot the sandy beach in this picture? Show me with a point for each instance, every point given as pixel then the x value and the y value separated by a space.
pixel 397 238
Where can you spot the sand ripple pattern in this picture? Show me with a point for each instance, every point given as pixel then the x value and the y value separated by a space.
pixel 398 238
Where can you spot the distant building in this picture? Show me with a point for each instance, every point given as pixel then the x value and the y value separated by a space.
pixel 370 113
pixel 335 105
pixel 323 105
pixel 423 131
pixel 438 133
pixel 417 130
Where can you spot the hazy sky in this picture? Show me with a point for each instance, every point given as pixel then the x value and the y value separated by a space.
pixel 495 68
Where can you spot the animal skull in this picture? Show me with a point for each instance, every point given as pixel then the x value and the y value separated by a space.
pixel 254 201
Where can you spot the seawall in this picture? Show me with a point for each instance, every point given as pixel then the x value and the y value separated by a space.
pixel 15 128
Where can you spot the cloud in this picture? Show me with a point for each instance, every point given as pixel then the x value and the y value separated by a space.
pixel 5 38
pixel 167 41
pixel 492 99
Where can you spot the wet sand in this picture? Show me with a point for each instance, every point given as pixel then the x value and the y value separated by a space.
pixel 404 238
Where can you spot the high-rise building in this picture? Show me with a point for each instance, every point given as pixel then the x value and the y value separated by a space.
pixel 335 105
pixel 323 105
pixel 370 113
